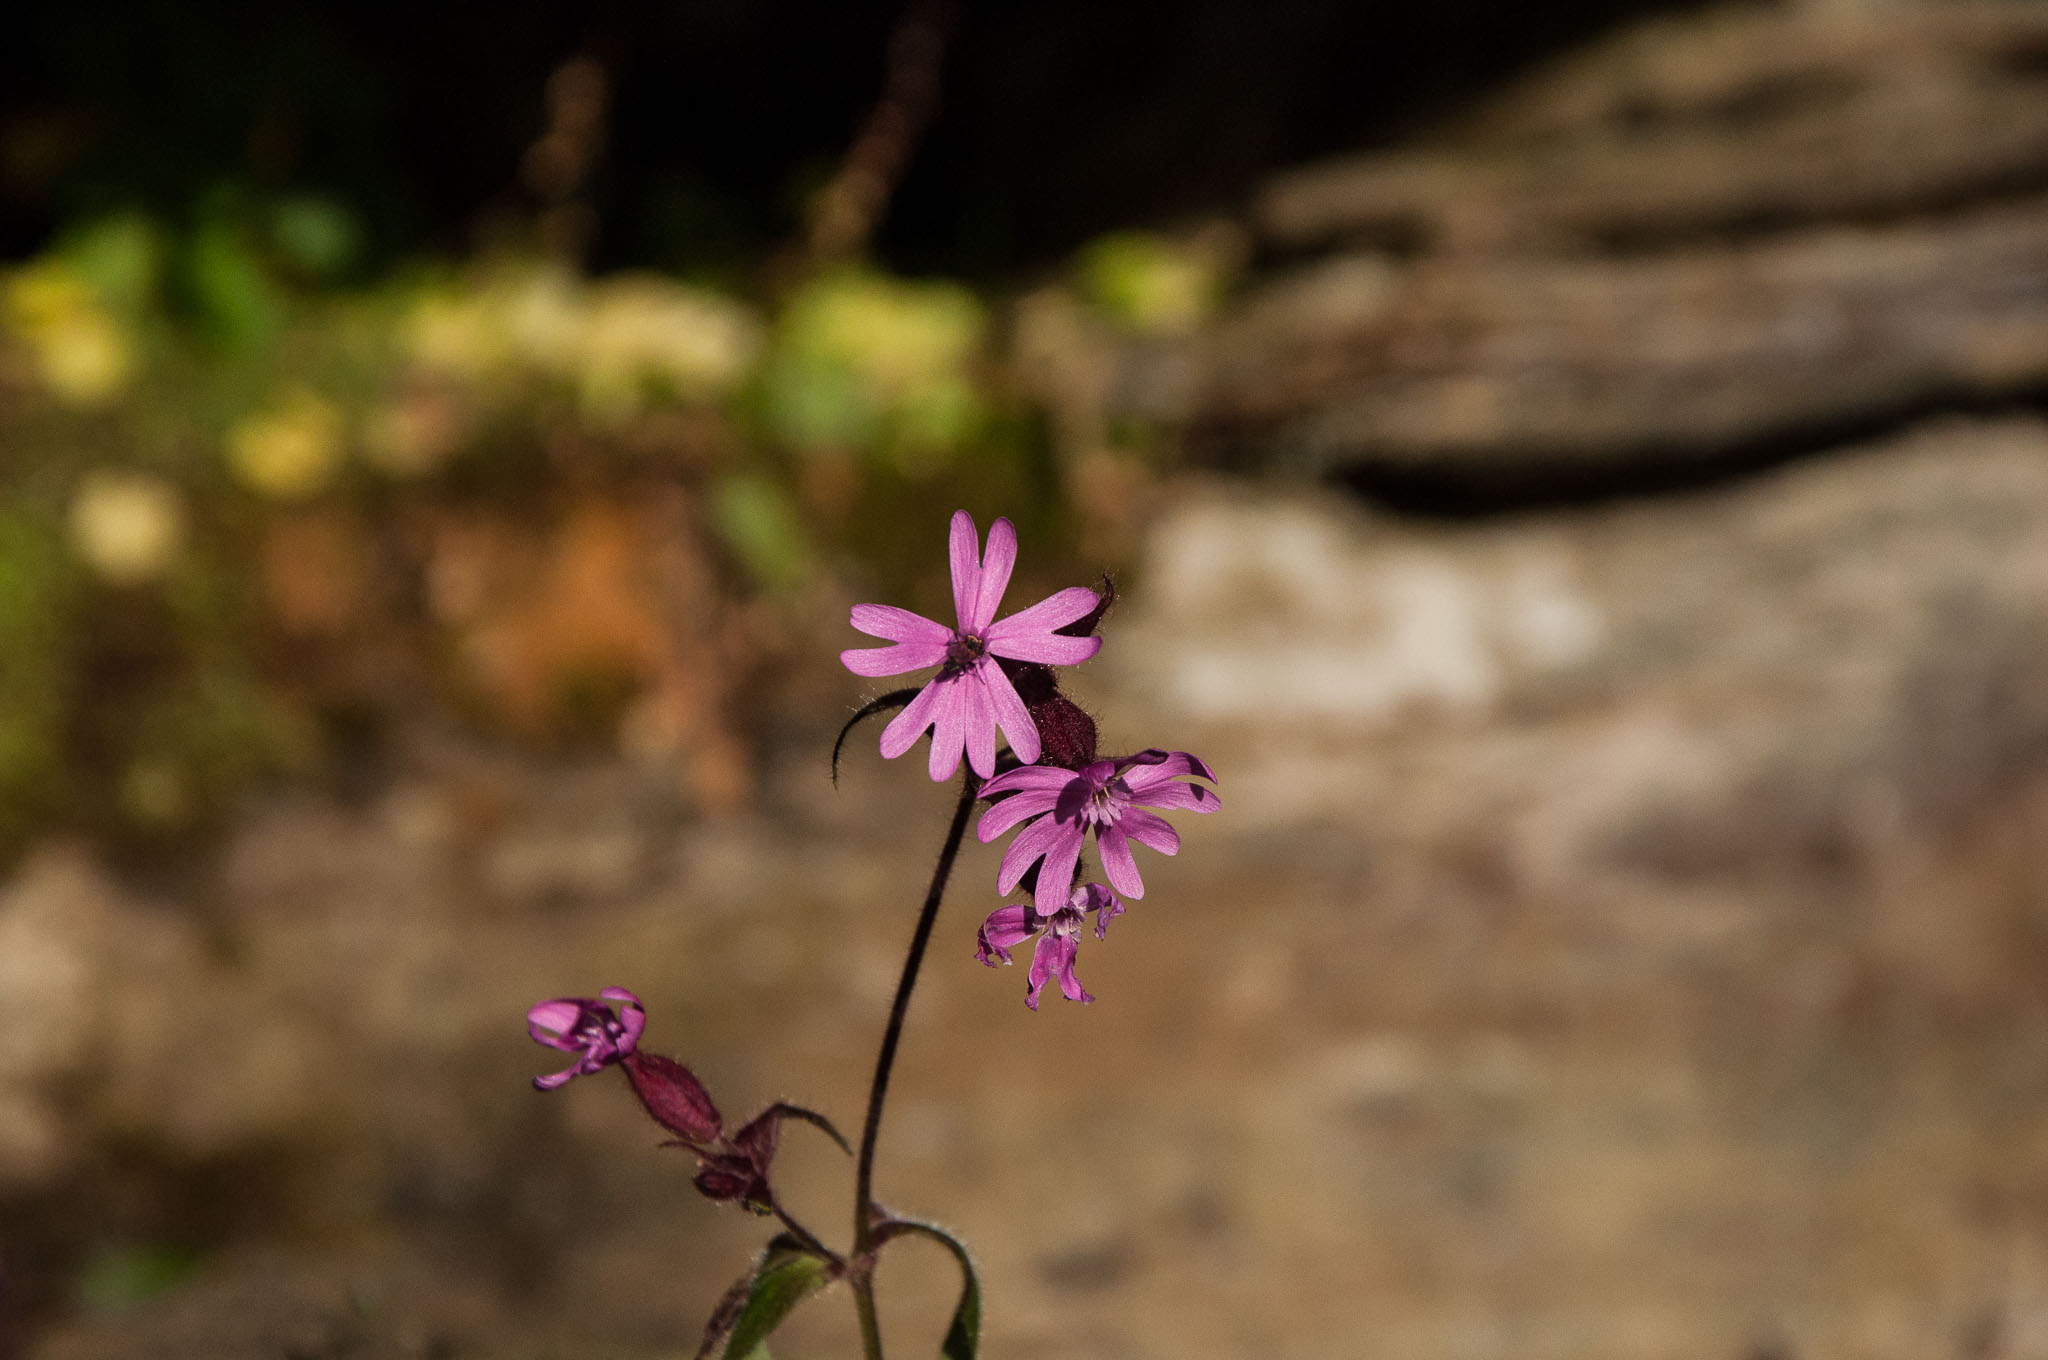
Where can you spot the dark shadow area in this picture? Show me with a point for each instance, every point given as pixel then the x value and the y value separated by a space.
pixel 1464 490
pixel 1058 121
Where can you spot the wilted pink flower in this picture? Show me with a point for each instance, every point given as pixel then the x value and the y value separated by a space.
pixel 669 1091
pixel 730 1166
pixel 1058 938
pixel 577 1024
pixel 970 696
pixel 1108 797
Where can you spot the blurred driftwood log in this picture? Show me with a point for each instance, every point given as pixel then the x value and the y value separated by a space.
pixel 1745 228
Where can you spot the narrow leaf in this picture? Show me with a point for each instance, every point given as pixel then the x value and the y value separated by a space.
pixel 786 1110
pixel 727 1312
pixel 740 1302
pixel 963 1336
pixel 784 1280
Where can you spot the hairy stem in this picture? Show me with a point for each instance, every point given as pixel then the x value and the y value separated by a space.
pixel 878 1091
pixel 870 1325
pixel 803 1234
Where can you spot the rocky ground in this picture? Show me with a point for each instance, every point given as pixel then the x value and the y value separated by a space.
pixel 1622 937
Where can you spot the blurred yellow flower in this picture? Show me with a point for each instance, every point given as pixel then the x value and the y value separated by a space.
pixel 620 344
pixel 645 336
pixel 290 451
pixel 82 353
pixel 127 526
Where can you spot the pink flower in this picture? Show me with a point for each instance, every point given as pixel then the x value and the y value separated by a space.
pixel 577 1024
pixel 971 697
pixel 668 1091
pixel 1108 797
pixel 1058 938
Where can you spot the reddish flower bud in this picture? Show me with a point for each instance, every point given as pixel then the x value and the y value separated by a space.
pixel 673 1096
pixel 1066 734
pixel 726 1177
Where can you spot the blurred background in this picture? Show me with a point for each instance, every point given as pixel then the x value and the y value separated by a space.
pixel 1579 471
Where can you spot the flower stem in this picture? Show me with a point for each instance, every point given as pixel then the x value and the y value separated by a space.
pixel 804 1235
pixel 878 1090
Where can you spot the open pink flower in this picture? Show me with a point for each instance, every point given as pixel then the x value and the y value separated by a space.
pixel 578 1024
pixel 1059 938
pixel 970 697
pixel 1108 797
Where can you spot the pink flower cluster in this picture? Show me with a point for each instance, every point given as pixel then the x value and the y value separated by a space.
pixel 983 664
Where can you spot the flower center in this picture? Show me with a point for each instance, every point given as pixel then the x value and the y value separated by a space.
pixel 964 650
pixel 600 1029
pixel 1105 806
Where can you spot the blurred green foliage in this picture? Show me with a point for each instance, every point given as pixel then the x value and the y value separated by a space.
pixel 118 1278
pixel 250 497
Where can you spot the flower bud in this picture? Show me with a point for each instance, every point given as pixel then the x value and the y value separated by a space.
pixel 673 1097
pixel 1066 734
pixel 727 1177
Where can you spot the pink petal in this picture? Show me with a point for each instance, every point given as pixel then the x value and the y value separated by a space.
pixel 898 625
pixel 892 660
pixel 1047 649
pixel 557 1079
pixel 1099 897
pixel 995 574
pixel 1093 897
pixel 1018 729
pixel 632 1015
pixel 961 546
pixel 906 727
pixel 1115 849
pixel 1056 874
pixel 1155 767
pixel 551 1021
pixel 1031 844
pixel 949 726
pixel 1002 816
pixel 1042 961
pixel 1028 777
pixel 1147 830
pixel 1005 928
pixel 1054 611
pixel 1178 797
pixel 1054 957
pixel 980 721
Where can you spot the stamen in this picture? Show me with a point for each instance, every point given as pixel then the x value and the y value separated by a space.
pixel 965 649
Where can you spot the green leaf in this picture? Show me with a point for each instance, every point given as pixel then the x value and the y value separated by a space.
pixel 784 1279
pixel 963 1336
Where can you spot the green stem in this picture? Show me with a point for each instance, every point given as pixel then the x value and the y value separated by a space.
pixel 870 1325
